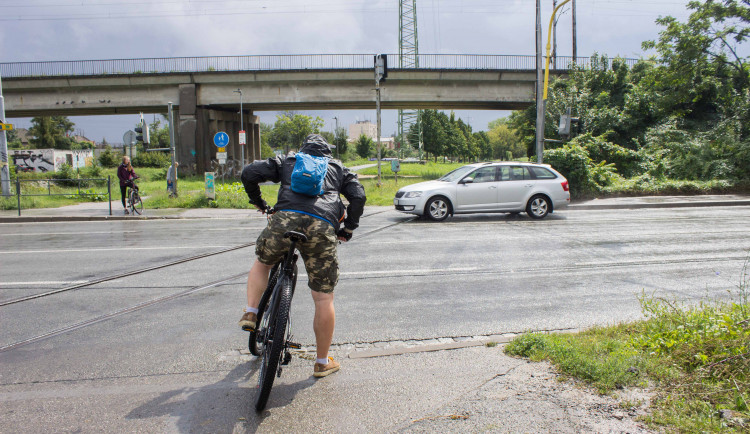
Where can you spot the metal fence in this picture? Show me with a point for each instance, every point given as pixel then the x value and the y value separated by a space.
pixel 168 65
pixel 78 182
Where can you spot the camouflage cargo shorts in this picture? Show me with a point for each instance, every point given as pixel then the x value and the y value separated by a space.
pixel 318 253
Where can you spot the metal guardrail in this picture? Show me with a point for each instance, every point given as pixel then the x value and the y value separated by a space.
pixel 167 65
pixel 49 182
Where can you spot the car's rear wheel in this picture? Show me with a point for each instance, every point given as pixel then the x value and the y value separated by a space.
pixel 437 209
pixel 538 207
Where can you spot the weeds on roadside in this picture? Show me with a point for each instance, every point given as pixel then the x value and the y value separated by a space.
pixel 698 356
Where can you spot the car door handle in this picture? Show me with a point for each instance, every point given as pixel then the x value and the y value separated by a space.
pixel 492 186
pixel 529 185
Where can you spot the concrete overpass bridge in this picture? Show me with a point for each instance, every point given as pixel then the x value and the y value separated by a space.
pixel 202 89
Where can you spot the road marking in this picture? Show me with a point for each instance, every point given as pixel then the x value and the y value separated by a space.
pixel 34 234
pixel 44 282
pixel 404 272
pixel 123 249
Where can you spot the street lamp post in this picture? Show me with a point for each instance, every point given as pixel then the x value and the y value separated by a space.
pixel 336 131
pixel 539 100
pixel 242 128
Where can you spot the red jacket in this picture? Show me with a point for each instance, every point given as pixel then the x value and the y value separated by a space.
pixel 125 175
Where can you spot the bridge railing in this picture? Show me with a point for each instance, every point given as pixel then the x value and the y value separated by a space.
pixel 166 65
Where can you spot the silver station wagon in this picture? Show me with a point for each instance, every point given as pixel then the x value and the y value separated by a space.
pixel 508 187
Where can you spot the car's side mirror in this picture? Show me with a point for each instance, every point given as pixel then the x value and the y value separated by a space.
pixel 467 181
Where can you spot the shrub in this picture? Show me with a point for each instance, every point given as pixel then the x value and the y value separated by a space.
pixel 152 159
pixel 109 158
pixel 66 176
pixel 585 177
pixel 627 161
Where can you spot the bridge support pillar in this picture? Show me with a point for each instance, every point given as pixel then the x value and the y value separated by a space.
pixel 199 124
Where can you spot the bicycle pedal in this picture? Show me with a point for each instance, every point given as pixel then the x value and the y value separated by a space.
pixel 287 358
pixel 293 345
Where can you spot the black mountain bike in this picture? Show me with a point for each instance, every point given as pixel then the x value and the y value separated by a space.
pixel 134 199
pixel 271 338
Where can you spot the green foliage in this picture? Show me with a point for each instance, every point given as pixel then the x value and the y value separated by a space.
pixel 503 140
pixel 109 158
pixel 51 132
pixel 697 355
pixel 341 141
pixel 14 142
pixel 158 134
pixel 291 129
pixel 365 146
pixel 91 195
pixel 156 159
pixel 266 151
pixel 66 175
pixel 585 176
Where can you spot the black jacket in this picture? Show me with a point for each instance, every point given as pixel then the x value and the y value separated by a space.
pixel 338 180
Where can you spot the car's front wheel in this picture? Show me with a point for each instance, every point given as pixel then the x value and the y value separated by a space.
pixel 437 209
pixel 538 207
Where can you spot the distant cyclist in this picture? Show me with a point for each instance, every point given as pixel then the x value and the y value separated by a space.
pixel 318 217
pixel 126 174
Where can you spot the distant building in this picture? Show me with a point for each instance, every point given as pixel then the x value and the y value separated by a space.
pixel 362 127
pixel 23 135
pixel 388 142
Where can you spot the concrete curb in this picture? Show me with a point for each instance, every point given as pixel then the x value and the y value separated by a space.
pixel 575 207
pixel 571 207
pixel 52 219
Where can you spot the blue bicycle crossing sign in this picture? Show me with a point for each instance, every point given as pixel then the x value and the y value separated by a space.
pixel 221 139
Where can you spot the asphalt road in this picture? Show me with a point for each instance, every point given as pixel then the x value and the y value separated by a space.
pixel 174 366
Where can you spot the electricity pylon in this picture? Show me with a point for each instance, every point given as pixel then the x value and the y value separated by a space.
pixel 408 57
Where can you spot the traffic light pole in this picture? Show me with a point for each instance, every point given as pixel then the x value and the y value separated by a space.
pixel 539 87
pixel 171 143
pixel 4 169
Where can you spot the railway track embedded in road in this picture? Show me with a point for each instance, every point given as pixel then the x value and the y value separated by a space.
pixel 154 301
pixel 147 269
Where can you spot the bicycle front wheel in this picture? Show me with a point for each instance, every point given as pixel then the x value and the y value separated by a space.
pixel 256 338
pixel 136 204
pixel 278 318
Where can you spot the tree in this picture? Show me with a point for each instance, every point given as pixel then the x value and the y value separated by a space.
pixel 482 141
pixel 14 142
pixel 434 136
pixel 158 135
pixel 341 141
pixel 364 146
pixel 51 132
pixel 503 139
pixel 291 129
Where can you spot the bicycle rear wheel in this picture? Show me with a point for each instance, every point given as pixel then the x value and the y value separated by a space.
pixel 136 204
pixel 278 319
pixel 255 340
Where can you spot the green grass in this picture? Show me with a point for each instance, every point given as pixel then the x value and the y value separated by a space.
pixel 696 356
pixel 645 185
pixel 428 171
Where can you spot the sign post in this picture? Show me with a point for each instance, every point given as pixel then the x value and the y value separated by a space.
pixel 395 168
pixel 221 140
pixel 128 140
pixel 210 187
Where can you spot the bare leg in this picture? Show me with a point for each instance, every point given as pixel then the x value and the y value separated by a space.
pixel 324 322
pixel 257 280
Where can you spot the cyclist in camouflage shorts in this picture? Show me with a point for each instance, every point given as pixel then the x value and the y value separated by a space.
pixel 319 218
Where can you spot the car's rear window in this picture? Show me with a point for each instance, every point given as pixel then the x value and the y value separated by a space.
pixel 542 173
pixel 520 173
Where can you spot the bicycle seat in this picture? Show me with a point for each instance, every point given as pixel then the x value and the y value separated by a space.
pixel 296 236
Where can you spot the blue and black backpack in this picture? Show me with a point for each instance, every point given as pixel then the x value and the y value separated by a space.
pixel 308 174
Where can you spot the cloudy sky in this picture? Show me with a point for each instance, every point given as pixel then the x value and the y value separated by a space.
pixel 35 30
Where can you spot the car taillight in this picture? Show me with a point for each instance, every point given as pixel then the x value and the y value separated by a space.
pixel 565 186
